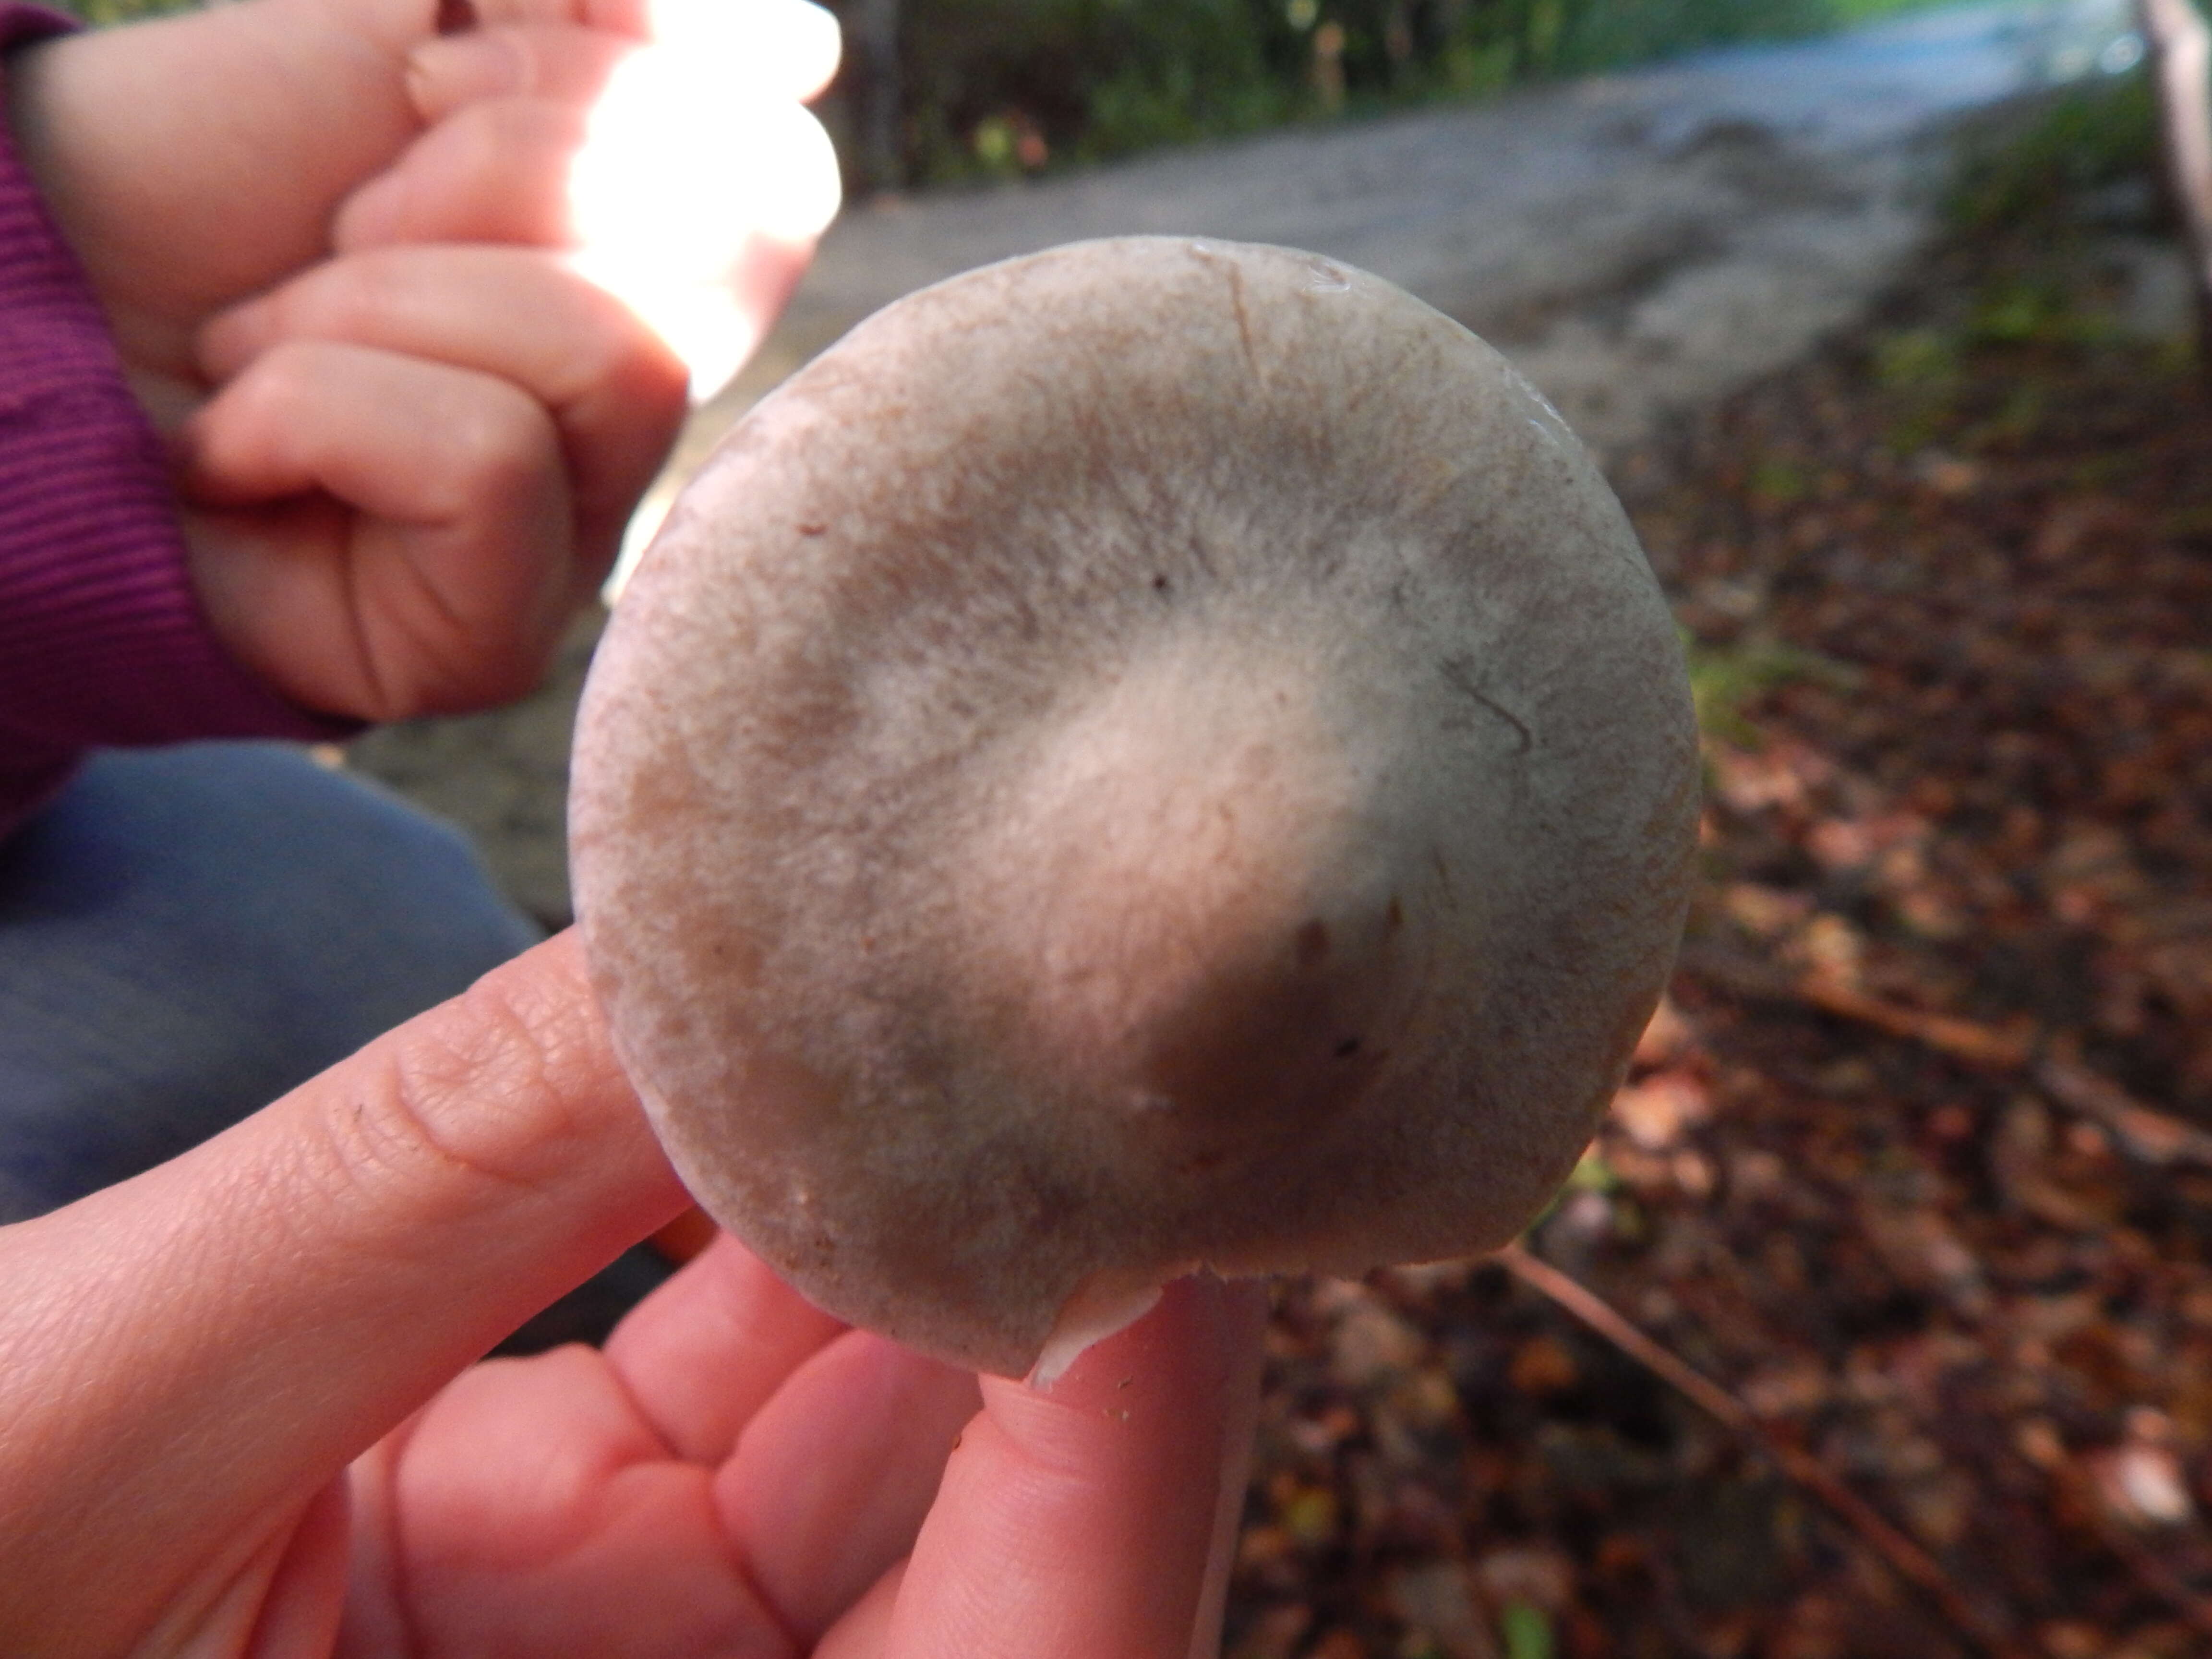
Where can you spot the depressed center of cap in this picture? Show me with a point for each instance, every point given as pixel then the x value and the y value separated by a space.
pixel 1134 758
pixel 1188 890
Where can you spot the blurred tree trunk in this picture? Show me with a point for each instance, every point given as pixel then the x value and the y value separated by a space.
pixel 871 46
pixel 1398 39
pixel 2180 48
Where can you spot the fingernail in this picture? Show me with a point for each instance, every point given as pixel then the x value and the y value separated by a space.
pixel 451 70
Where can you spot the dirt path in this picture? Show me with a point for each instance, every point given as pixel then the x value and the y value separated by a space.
pixel 1641 245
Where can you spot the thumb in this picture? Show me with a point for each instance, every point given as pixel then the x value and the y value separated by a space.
pixel 185 1358
pixel 1095 1519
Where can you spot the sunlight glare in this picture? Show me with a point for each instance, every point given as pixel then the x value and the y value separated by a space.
pixel 699 146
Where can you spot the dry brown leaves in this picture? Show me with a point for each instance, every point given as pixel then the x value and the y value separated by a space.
pixel 1916 1161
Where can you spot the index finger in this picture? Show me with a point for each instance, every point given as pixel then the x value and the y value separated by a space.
pixel 194 1352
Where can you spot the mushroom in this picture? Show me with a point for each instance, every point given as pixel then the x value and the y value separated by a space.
pixel 1156 754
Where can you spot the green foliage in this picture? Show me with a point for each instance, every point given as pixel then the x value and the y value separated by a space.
pixel 2030 165
pixel 1591 1174
pixel 2038 185
pixel 1006 87
pixel 1780 480
pixel 1003 88
pixel 1604 36
pixel 1725 679
pixel 103 12
pixel 2035 184
pixel 1527 1631
pixel 1917 359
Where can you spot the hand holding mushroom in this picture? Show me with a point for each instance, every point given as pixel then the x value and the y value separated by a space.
pixel 1222 796
pixel 189 1361
pixel 1159 754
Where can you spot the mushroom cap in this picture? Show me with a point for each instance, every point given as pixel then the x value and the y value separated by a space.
pixel 1159 753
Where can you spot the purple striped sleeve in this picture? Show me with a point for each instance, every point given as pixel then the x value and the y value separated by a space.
pixel 102 640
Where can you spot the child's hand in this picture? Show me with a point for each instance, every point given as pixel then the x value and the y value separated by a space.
pixel 421 453
pixel 418 468
pixel 197 159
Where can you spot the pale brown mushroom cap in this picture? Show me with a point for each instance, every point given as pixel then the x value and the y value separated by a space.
pixel 1156 753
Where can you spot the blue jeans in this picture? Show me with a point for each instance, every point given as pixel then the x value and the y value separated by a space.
pixel 187 933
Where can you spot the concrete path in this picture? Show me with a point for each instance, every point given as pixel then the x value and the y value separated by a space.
pixel 1640 244
pixel 1637 242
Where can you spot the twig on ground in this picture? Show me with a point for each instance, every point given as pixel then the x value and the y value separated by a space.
pixel 2143 1131
pixel 1961 1039
pixel 1906 1558
pixel 1964 1040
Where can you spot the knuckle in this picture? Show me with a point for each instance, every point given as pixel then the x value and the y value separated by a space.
pixel 348 300
pixel 364 296
pixel 505 446
pixel 494 135
pixel 442 1106
pixel 271 390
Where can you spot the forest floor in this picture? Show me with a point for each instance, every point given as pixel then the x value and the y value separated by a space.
pixel 1902 1226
